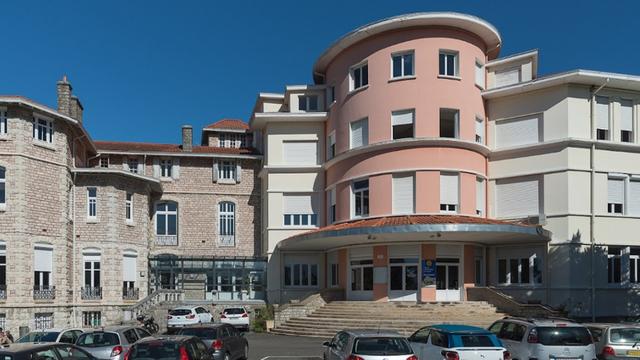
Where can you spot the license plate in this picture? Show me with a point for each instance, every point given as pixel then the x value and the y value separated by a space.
pixel 633 352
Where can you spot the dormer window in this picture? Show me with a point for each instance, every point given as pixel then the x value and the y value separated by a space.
pixel 231 140
pixel 308 102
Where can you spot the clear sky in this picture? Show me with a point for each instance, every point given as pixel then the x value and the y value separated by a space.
pixel 144 68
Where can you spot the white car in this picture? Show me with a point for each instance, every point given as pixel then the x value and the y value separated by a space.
pixel 185 316
pixel 235 316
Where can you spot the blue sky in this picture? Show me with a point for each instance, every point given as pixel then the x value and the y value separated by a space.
pixel 144 68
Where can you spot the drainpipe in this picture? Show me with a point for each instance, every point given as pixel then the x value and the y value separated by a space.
pixel 592 217
pixel 73 231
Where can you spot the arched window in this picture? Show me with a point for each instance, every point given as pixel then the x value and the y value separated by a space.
pixel 167 223
pixel 227 223
pixel 3 180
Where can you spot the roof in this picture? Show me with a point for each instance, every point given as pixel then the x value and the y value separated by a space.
pixel 373 333
pixel 234 124
pixel 483 29
pixel 121 146
pixel 18 347
pixel 453 328
pixel 178 338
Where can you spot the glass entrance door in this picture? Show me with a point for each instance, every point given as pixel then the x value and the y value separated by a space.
pixel 403 279
pixel 361 279
pixel 448 279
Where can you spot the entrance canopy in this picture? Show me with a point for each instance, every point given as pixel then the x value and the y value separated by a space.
pixel 418 228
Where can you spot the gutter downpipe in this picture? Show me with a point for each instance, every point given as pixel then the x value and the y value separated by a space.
pixel 73 232
pixel 592 216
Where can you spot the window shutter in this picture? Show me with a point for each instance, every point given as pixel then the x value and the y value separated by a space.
pixel 359 133
pixel 43 259
pixel 125 163
pixel 517 198
pixel 602 112
pixel 404 117
pixel 129 268
pixel 517 132
pixel 156 167
pixel 141 165
pixel 480 198
pixel 403 199
pixel 507 77
pixel 626 121
pixel 300 152
pixel 215 170
pixel 238 172
pixel 448 188
pixel 634 197
pixel 615 191
pixel 297 204
pixel 480 75
pixel 175 171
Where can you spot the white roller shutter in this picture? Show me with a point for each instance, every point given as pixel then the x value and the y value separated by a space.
pixel 91 256
pixel 403 117
pixel 403 199
pixel 615 191
pixel 517 132
pixel 449 189
pixel 300 152
pixel 361 253
pixel 634 197
pixel 602 112
pixel 297 204
pixel 156 167
pixel 359 133
pixel 175 169
pixel 129 268
pixel 626 115
pixel 517 198
pixel 43 259
pixel 404 251
pixel 480 75
pixel 480 198
pixel 507 77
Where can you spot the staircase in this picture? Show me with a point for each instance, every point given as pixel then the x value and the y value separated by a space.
pixel 404 317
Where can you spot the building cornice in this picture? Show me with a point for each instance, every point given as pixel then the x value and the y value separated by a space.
pixel 155 183
pixel 562 143
pixel 179 154
pixel 258 120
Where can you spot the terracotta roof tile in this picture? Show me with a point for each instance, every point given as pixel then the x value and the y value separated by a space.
pixel 234 124
pixel 170 148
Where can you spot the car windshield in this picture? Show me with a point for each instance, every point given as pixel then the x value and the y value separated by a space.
pixel 476 341
pixel 234 311
pixel 180 312
pixel 382 346
pixel 98 339
pixel 625 335
pixel 155 350
pixel 46 336
pixel 202 333
pixel 564 336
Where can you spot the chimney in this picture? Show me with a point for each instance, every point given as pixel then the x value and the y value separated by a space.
pixel 64 96
pixel 76 108
pixel 187 138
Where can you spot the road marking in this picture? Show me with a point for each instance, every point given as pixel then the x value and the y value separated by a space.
pixel 291 357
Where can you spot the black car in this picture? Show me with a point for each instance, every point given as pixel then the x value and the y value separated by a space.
pixel 225 341
pixel 171 347
pixel 43 351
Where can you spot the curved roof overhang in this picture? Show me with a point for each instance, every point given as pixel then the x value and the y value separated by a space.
pixel 483 29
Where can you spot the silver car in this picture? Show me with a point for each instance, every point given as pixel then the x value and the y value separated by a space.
pixel 616 341
pixel 111 342
pixel 368 345
pixel 68 336
pixel 549 338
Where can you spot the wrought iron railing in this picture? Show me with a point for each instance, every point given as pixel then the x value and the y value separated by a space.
pixel 130 293
pixel 44 293
pixel 91 293
pixel 167 240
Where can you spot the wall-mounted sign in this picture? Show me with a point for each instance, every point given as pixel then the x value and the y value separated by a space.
pixel 428 272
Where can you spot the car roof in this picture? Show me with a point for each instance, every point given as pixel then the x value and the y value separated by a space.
pixel 372 333
pixel 185 307
pixel 19 347
pixel 550 321
pixel 205 326
pixel 176 338
pixel 613 325
pixel 455 328
pixel 114 328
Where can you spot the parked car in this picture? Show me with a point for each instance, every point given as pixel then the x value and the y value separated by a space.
pixel 457 342
pixel 43 351
pixel 550 338
pixel 169 348
pixel 616 340
pixel 111 342
pixel 224 340
pixel 185 316
pixel 368 345
pixel 68 336
pixel 235 316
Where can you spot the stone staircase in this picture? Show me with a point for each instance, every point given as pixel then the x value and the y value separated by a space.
pixel 404 317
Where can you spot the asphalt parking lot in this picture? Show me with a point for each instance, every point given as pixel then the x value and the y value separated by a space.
pixel 264 346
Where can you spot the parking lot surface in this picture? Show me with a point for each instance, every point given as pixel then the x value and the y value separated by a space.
pixel 278 347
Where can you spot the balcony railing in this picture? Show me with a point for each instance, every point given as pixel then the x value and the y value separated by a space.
pixel 3 292
pixel 44 293
pixel 91 293
pixel 167 240
pixel 130 293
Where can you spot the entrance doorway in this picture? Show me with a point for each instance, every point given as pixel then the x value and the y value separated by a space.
pixel 447 279
pixel 361 279
pixel 403 279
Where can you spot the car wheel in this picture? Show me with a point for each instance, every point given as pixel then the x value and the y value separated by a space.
pixel 227 357
pixel 246 352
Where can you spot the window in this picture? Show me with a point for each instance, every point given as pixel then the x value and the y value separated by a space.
pixel 3 181
pixel 3 321
pixel 165 168
pixel 132 164
pixel 626 121
pixel 507 77
pixel 231 140
pixel 402 65
pixel 518 197
pixel 301 275
pixel 3 270
pixel 299 210
pixel 479 130
pixel 519 271
pixel 614 258
pixel 92 202
pixel 308 102
pixel 331 200
pixel 634 262
pixel 518 132
pixel 43 267
pixel 3 122
pixel 129 274
pixel 615 196
pixel 449 123
pixel 227 170
pixel 359 76
pixel 104 161
pixel 360 191
pixel 331 95
pixel 634 196
pixel 403 194
pixel 602 118
pixel 91 318
pixel 227 223
pixel 167 219
pixel 448 63
pixel 402 123
pixel 43 130
pixel 335 275
pixel 331 146
pixel 449 190
pixel 44 321
pixel 128 207
pixel 300 152
pixel 359 133
pixel 92 276
pixel 480 197
pixel 479 74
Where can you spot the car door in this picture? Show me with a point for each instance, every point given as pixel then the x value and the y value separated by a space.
pixel 48 353
pixel 437 341
pixel 69 352
pixel 130 336
pixel 418 341
pixel 68 337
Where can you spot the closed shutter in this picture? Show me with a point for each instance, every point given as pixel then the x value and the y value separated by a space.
pixel 359 133
pixel 141 165
pixel 404 117
pixel 129 268
pixel 361 253
pixel 125 163
pixel 156 167
pixel 238 172
pixel 300 152
pixel 403 202
pixel 602 112
pixel 449 189
pixel 297 204
pixel 404 251
pixel 479 75
pixel 626 115
pixel 480 198
pixel 215 170
pixel 43 259
pixel 507 77
pixel 517 132
pixel 175 171
pixel 517 198
pixel 634 197
pixel 615 191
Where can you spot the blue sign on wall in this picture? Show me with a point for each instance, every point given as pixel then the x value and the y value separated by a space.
pixel 428 272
